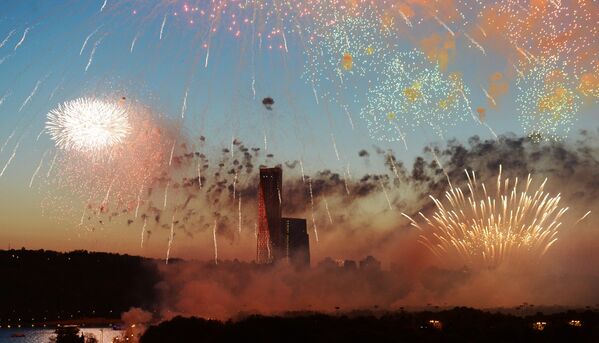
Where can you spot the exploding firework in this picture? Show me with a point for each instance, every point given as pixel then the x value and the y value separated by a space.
pixel 486 229
pixel 415 93
pixel 88 124
pixel 547 102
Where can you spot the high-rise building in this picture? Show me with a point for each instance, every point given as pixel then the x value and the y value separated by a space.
pixel 269 241
pixel 296 241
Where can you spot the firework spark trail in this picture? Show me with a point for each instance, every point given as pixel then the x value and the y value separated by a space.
pixel 87 39
pixel 315 93
pixel 207 57
pixel 280 198
pixel 14 152
pixel 105 201
pixel 265 142
pixel 184 106
pixel 489 96
pixel 351 122
pixel 162 26
pixel 170 160
pixel 133 43
pixel 170 239
pixel 139 196
pixel 440 165
pixel 326 206
pixel 83 212
pixel 55 90
pixel 345 178
pixel 166 194
pixel 3 98
pixel 143 231
pixel 8 140
pixel 312 209
pixel 200 174
pixel 405 18
pixel 444 25
pixel 91 55
pixel 39 134
pixel 37 170
pixel 335 147
pixel 235 184
pixel 489 228
pixel 10 34
pixel 22 38
pixel 4 59
pixel 51 165
pixel 215 243
pixel 302 170
pixel 37 85
pixel 582 218
pixel 386 195
pixel 239 215
pixel 103 5
pixel 477 44
pixel 474 116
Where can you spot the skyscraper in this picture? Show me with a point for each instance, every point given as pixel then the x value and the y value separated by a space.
pixel 296 241
pixel 269 242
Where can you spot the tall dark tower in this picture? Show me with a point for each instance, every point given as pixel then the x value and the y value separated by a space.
pixel 270 247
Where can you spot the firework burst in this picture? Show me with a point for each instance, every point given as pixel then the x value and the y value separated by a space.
pixel 88 124
pixel 486 229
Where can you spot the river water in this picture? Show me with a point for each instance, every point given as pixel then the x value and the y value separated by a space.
pixel 32 335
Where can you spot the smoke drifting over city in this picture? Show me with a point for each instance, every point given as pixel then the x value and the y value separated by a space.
pixel 358 216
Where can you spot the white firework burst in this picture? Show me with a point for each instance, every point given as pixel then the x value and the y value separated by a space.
pixel 88 124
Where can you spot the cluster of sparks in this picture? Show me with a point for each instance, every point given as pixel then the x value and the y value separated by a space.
pixel 88 124
pixel 414 93
pixel 488 228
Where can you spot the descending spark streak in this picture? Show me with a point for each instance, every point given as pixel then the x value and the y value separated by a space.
pixel 184 106
pixel 444 25
pixel 166 194
pixel 477 44
pixel 103 5
pixel 285 41
pixel 312 209
pixel 87 39
pixel 3 98
pixel 139 198
pixel 38 83
pixel 302 170
pixel 133 43
pixel 489 96
pixel 215 243
pixel 40 134
pixel 234 185
pixel 143 231
pixel 170 239
pixel 22 39
pixel 91 55
pixel 405 18
pixel 265 142
pixel 351 122
pixel 14 152
pixel 51 165
pixel 4 59
pixel 582 218
pixel 162 26
pixel 8 140
pixel 335 147
pixel 10 34
pixel 105 201
pixel 386 195
pixel 207 57
pixel 315 93
pixel 326 206
pixel 170 160
pixel 239 215
pixel 37 170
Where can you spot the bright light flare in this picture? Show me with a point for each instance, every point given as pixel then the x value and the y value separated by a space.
pixel 88 124
pixel 515 222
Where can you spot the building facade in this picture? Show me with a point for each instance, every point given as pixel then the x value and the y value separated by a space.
pixel 269 240
pixel 296 241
